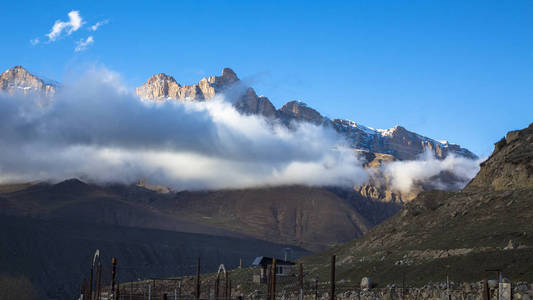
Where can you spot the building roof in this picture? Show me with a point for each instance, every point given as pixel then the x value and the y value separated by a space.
pixel 264 261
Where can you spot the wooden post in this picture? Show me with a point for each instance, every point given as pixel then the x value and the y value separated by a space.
pixel 197 290
pixel 273 279
pixel 485 290
pixel 113 276
pixel 268 274
pixel 301 281
pixel 332 279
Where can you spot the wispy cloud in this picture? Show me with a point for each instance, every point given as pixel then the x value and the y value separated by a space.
pixel 74 23
pixel 34 41
pixel 98 25
pixel 83 44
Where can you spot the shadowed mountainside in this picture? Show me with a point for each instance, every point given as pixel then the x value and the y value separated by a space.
pixel 313 218
pixel 56 255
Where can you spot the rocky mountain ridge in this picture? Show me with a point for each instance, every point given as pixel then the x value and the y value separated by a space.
pixel 398 141
pixel 19 80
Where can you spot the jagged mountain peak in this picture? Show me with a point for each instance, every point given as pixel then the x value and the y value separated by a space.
pixel 19 80
pixel 164 87
pixel 229 74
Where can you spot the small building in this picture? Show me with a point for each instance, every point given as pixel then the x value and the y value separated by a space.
pixel 283 268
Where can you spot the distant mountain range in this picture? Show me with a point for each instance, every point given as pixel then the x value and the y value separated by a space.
pixel 375 146
pixel 398 142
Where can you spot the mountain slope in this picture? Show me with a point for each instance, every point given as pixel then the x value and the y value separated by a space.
pixel 462 233
pixel 313 218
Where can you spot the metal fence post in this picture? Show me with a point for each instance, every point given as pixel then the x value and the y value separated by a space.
pixel 316 289
pixel 113 276
pixel 99 279
pixel 226 284
pixel 332 279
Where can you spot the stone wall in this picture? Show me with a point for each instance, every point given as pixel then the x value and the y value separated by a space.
pixel 464 291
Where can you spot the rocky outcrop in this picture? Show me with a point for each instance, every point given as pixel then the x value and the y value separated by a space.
pixel 162 87
pixel 299 111
pixel 18 80
pixel 511 164
pixel 250 103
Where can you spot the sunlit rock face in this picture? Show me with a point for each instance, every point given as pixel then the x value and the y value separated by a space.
pixel 19 80
pixel 511 164
pixel 162 87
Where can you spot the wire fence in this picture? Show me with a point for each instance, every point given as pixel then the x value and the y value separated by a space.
pixel 103 283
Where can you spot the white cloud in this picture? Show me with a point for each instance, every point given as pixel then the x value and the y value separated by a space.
pixel 75 22
pixel 97 130
pixel 404 175
pixel 83 44
pixel 98 25
pixel 34 41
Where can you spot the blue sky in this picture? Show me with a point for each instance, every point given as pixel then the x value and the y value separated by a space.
pixel 455 70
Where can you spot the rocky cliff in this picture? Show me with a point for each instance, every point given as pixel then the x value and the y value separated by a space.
pixel 511 164
pixel 19 80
